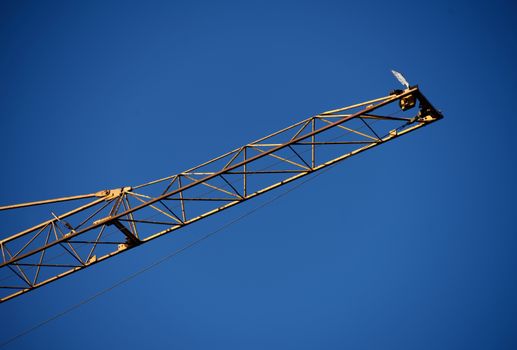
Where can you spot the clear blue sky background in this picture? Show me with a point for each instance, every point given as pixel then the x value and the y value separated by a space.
pixel 409 246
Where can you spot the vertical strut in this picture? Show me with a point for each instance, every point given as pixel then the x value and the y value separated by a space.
pixel 322 154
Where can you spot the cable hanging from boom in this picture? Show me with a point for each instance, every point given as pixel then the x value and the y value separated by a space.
pixel 69 241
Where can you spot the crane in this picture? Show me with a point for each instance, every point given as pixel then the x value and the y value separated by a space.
pixel 92 228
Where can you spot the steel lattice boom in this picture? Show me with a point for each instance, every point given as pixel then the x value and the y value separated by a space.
pixel 94 227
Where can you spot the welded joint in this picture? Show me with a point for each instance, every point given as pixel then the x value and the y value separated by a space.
pixel 110 194
pixel 131 239
pixel 92 260
pixel 427 114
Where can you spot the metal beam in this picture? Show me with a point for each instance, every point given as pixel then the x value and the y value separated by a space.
pixel 199 192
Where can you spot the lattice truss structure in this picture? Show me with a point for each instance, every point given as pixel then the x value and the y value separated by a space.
pixel 91 228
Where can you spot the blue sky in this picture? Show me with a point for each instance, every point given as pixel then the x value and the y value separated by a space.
pixel 411 245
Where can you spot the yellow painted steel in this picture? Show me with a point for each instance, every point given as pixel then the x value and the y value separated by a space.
pixel 181 188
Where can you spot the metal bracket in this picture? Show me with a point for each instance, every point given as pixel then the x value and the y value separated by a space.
pixel 131 238
pixel 110 194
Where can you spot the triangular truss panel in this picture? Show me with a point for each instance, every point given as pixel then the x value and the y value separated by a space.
pixel 79 231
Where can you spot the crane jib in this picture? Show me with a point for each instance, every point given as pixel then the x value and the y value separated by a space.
pixel 120 219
